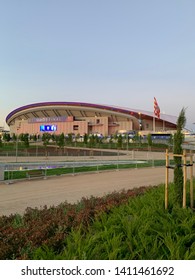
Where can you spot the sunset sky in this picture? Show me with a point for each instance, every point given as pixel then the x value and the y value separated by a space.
pixel 114 52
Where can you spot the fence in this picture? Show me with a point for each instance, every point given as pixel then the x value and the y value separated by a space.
pixel 74 162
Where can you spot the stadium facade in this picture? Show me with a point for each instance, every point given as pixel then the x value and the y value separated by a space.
pixel 81 118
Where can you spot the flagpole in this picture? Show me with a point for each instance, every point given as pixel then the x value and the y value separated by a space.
pixel 154 128
pixel 156 113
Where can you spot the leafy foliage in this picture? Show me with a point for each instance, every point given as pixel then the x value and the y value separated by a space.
pixel 20 235
pixel 121 225
pixel 149 138
pixel 138 230
pixel 178 140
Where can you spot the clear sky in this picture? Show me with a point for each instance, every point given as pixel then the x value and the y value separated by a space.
pixel 114 52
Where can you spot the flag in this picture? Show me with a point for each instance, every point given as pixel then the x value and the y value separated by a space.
pixel 156 109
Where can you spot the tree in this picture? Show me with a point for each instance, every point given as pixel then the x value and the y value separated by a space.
pixel 6 137
pixel 120 141
pixel 1 144
pixel 137 138
pixel 177 142
pixel 111 139
pixel 14 137
pixel 45 138
pixel 24 137
pixel 170 142
pixel 149 138
pixel 70 138
pixel 26 140
pixel 85 138
pixel 34 137
pixel 77 138
pixel 91 140
pixel 60 141
pixel 53 137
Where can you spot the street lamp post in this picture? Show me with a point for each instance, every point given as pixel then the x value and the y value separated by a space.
pixel 127 141
pixel 140 121
pixel 36 144
pixel 17 144
pixel 16 148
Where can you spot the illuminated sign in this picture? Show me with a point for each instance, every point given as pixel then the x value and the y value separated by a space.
pixel 47 128
pixel 48 119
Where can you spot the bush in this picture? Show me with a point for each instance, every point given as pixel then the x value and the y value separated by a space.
pixel 21 235
pixel 130 224
pixel 138 230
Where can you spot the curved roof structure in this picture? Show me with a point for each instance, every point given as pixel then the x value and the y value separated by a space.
pixel 80 110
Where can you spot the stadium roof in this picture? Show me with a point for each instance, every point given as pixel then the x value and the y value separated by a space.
pixel 79 110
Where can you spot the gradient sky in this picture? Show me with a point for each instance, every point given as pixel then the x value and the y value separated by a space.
pixel 114 52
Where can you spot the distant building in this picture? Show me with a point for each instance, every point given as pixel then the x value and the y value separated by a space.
pixel 81 118
pixel 2 130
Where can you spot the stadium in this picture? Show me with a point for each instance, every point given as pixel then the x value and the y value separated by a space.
pixel 85 118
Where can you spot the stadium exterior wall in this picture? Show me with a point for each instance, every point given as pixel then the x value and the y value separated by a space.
pixel 81 118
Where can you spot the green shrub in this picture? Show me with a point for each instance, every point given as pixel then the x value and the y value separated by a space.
pixel 137 230
pixel 130 224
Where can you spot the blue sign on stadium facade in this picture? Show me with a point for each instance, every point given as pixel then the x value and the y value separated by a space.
pixel 48 128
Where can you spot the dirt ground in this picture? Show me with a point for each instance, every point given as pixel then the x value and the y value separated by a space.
pixel 16 197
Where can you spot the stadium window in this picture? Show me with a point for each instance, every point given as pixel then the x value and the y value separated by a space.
pixel 75 127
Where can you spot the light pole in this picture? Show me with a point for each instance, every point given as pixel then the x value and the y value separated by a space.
pixel 140 121
pixel 16 148
pixel 36 144
pixel 17 143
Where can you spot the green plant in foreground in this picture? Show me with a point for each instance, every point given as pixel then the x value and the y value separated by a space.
pixel 130 224
pixel 21 235
pixel 140 229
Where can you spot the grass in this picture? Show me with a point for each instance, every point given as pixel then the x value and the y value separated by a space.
pixel 21 174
